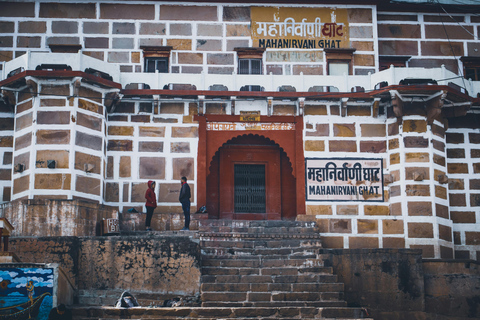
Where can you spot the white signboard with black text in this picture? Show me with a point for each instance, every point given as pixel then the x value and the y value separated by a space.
pixel 344 179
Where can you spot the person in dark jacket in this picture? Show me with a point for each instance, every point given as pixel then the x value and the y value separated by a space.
pixel 150 204
pixel 184 199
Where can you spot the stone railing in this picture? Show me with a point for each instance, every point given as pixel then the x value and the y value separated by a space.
pixel 234 82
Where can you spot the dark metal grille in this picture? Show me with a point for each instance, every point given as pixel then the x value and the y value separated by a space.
pixel 250 188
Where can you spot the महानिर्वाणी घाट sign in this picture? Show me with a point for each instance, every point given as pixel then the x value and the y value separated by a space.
pixel 344 179
pixel 299 28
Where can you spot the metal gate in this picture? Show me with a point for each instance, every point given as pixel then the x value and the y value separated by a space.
pixel 250 188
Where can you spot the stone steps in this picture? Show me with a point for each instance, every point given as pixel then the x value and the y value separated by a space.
pixel 285 313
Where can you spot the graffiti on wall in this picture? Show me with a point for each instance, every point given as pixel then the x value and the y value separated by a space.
pixel 26 293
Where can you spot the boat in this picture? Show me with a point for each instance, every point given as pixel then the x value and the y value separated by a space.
pixel 25 310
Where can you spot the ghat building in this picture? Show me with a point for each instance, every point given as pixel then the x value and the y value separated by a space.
pixel 360 116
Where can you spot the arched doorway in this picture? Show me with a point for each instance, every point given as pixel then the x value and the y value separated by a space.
pixel 250 178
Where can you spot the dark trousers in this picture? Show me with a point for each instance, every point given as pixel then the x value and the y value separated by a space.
pixel 186 213
pixel 149 216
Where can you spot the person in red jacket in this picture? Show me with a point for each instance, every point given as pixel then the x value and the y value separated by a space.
pixel 150 204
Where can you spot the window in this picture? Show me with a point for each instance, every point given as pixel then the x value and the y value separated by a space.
pixel 250 60
pixel 153 64
pixel 339 61
pixel 156 59
pixel 471 68
pixel 249 66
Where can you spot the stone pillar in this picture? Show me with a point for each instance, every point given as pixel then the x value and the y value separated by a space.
pixel 419 197
pixel 60 140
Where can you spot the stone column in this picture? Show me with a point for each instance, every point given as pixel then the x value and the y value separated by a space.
pixel 60 140
pixel 419 198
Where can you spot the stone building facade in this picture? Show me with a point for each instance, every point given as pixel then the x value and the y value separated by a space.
pixel 266 85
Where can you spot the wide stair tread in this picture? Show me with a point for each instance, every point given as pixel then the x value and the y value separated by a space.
pixel 285 313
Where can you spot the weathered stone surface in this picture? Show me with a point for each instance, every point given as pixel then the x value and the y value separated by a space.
pixel 344 130
pixel 28 105
pixel 88 141
pixel 120 131
pixel 359 111
pixel 456 153
pixel 367 226
pixel 393 227
pixel 21 184
pixel 169 192
pixel 376 210
pixel 23 122
pixel 180 147
pixel 196 13
pixel 314 145
pixel 150 146
pixel 373 146
pixel 463 216
pixel 342 146
pixel 152 168
pixel 347 210
pixel 415 190
pixel 209 45
pixel 68 10
pixel 183 167
pixel 120 145
pixel 455 138
pixel 152 131
pixel 284 110
pixel 61 158
pixel 95 27
pixel 18 9
pixel 475 200
pixel 90 106
pixel 7 157
pixel 53 137
pixel 420 208
pixel 472 238
pixel 442 48
pixel 399 31
pixel 88 185
pixel 320 110
pixel 53 117
pixel 179 44
pixel 118 57
pixel 321 130
pixel 457 200
pixel 216 108
pixel 125 167
pixel 153 28
pixel 394 158
pixel 416 157
pixel 441 211
pixel 395 191
pixel 441 192
pixel 127 11
pixel 184 132
pixel 6 175
pixel 340 226
pixel 445 232
pixel 82 159
pixel 400 47
pixel 410 172
pixel 237 14
pixel 457 168
pixel 210 30
pixel 420 230
pixel 52 181
pixel 180 29
pixel 96 43
pixel 415 142
pixel 362 242
pixel 32 27
pixel 373 130
pixel 319 210
pixel 111 192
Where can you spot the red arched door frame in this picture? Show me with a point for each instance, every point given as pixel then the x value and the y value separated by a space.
pixel 291 141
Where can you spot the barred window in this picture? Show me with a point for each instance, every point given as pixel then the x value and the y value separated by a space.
pixel 156 64
pixel 249 66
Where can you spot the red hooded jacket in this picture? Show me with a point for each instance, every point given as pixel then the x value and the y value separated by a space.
pixel 150 196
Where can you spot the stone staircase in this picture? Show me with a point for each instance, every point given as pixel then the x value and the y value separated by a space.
pixel 269 265
pixel 255 270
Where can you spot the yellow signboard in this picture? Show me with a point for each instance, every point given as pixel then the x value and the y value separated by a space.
pixel 250 117
pixel 299 28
